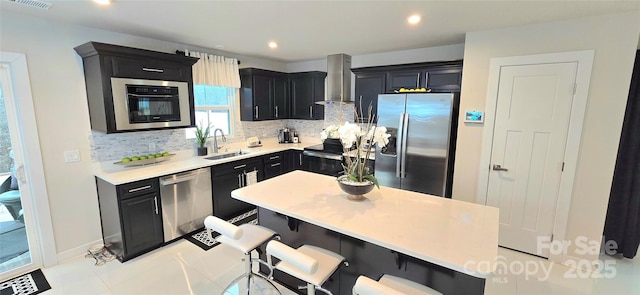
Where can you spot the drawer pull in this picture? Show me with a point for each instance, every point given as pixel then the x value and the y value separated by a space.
pixel 273 158
pixel 240 166
pixel 133 190
pixel 276 164
pixel 153 70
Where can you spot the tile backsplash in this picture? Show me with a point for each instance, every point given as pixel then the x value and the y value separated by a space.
pixel 113 147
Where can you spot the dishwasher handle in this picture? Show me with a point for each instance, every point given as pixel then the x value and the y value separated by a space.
pixel 181 177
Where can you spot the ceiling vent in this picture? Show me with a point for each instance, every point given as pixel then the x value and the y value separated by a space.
pixel 33 3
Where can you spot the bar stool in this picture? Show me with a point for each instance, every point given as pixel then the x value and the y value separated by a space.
pixel 245 238
pixel 311 264
pixel 390 285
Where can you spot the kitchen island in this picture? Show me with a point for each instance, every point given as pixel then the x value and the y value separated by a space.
pixel 446 244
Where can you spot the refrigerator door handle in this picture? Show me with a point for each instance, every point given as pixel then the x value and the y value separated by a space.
pixel 403 149
pixel 399 141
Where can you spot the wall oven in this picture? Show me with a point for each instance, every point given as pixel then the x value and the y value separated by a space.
pixel 146 104
pixel 317 160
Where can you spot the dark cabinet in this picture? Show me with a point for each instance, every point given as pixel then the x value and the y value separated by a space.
pixel 103 61
pixel 444 79
pixel 131 217
pixel 404 79
pixel 433 76
pixel 306 89
pixel 274 165
pixel 263 95
pixel 228 177
pixel 368 86
pixel 293 160
pixel 142 224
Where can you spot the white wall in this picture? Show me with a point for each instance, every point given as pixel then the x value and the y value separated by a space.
pixel 57 83
pixel 614 39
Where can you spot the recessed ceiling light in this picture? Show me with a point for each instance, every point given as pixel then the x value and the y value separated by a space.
pixel 414 19
pixel 102 2
pixel 273 44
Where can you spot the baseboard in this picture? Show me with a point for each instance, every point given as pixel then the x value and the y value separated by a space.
pixel 76 252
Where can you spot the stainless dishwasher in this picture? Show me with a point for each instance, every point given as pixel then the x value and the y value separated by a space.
pixel 186 200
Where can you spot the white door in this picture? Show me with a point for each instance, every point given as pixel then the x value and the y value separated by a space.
pixel 530 134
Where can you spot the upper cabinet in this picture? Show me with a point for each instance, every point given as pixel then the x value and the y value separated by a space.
pixel 433 76
pixel 306 89
pixel 131 75
pixel 269 95
pixel 263 95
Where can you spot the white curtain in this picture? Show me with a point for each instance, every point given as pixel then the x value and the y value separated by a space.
pixel 215 70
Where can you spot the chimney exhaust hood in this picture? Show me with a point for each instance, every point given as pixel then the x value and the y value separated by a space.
pixel 338 79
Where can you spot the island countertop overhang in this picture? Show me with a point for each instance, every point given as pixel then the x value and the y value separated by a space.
pixel 458 235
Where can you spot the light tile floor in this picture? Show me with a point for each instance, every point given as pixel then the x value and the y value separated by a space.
pixel 183 268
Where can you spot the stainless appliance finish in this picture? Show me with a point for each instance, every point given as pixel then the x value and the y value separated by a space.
pixel 320 160
pixel 338 79
pixel 186 200
pixel 418 155
pixel 121 105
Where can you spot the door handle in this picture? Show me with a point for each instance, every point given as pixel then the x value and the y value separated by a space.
pixel 499 168
pixel 155 201
pixel 256 112
pixel 276 111
pixel 310 111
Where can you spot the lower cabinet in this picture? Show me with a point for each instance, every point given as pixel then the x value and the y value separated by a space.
pixel 274 165
pixel 142 223
pixel 364 258
pixel 228 177
pixel 293 160
pixel 131 217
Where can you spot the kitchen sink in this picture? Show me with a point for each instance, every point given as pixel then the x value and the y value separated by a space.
pixel 227 155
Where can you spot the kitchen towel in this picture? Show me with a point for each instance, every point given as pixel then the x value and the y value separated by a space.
pixel 252 177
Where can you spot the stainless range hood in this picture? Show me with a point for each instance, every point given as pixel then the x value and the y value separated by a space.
pixel 338 79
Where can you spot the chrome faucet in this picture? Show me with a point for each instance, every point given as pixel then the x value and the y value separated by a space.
pixel 215 140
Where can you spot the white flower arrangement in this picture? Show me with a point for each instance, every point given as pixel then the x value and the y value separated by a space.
pixel 357 136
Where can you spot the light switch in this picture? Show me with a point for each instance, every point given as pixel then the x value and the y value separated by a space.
pixel 72 156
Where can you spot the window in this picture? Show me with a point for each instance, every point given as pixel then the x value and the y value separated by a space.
pixel 213 106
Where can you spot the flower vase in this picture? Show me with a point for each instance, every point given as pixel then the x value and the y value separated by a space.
pixel 202 151
pixel 355 190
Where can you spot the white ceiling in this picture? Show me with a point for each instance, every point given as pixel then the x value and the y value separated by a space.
pixel 309 30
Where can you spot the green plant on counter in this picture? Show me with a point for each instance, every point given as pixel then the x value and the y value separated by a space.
pixel 202 134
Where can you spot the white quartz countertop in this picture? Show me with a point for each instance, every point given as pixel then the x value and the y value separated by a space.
pixel 116 174
pixel 457 235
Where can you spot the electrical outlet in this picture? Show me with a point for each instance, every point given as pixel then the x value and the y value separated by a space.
pixel 72 156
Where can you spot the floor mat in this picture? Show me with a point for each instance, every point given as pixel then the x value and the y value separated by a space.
pixel 13 240
pixel 27 284
pixel 201 237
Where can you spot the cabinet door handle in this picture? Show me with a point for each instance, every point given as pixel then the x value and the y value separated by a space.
pixel 153 70
pixel 133 190
pixel 426 81
pixel 240 166
pixel 256 112
pixel 276 164
pixel 276 111
pixel 155 201
pixel 274 157
pixel 310 111
pixel 239 181
pixel 300 156
pixel 418 81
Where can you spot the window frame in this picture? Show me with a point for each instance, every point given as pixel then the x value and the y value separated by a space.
pixel 230 108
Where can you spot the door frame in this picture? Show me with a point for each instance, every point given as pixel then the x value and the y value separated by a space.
pixel 584 60
pixel 38 218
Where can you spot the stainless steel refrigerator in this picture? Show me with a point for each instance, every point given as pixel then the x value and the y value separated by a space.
pixel 419 156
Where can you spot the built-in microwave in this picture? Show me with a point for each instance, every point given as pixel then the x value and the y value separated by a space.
pixel 148 104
